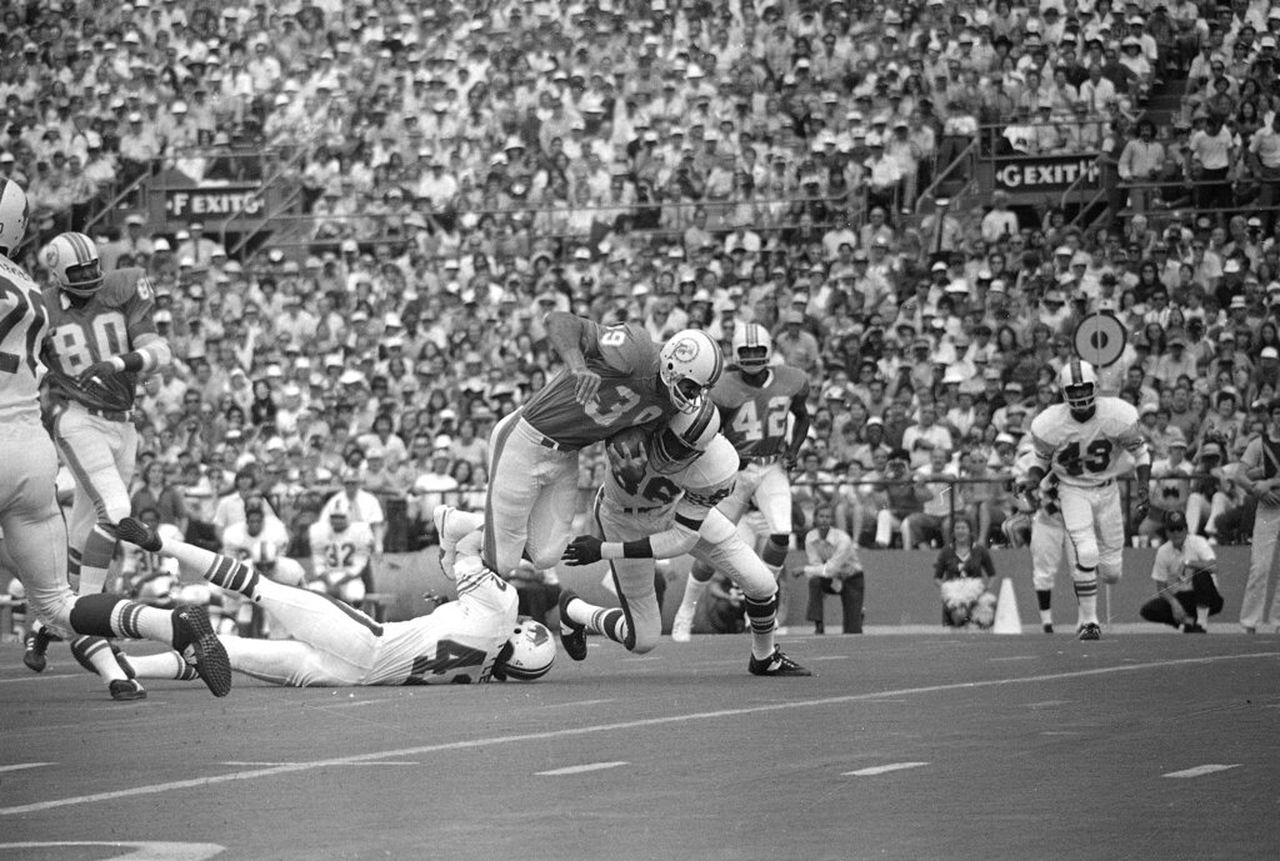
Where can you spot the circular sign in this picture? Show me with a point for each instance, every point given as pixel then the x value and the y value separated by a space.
pixel 1100 339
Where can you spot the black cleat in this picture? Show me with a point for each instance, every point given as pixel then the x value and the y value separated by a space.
pixel 37 645
pixel 1193 628
pixel 1047 627
pixel 776 664
pixel 572 635
pixel 126 690
pixel 1089 631
pixel 194 639
pixel 136 532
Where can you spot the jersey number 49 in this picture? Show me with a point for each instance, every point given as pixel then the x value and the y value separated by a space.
pixel 1096 457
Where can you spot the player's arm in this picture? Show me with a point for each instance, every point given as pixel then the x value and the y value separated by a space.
pixel 693 518
pixel 151 353
pixel 1039 459
pixel 800 430
pixel 574 339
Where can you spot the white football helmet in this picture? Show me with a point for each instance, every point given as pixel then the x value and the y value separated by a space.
pixel 1079 385
pixel 73 260
pixel 14 212
pixel 752 347
pixel 683 439
pixel 690 365
pixel 532 651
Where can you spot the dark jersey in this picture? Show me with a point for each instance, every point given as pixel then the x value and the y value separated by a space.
pixel 108 324
pixel 630 392
pixel 754 418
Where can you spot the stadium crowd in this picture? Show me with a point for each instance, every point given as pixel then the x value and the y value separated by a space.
pixel 469 166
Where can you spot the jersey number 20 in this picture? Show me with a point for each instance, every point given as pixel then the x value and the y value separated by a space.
pixel 1096 457
pixel 23 309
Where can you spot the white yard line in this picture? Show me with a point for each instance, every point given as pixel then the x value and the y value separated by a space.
pixel 1201 770
pixel 22 766
pixel 883 769
pixel 572 732
pixel 579 769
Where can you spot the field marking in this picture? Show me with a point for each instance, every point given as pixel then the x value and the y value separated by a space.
pixel 242 764
pixel 39 677
pixel 579 769
pixel 883 769
pixel 571 732
pixel 142 851
pixel 1200 770
pixel 24 765
pixel 578 703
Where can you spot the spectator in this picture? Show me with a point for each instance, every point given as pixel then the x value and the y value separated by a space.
pixel 1186 584
pixel 964 571
pixel 833 568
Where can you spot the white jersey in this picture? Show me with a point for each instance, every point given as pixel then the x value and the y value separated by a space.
pixel 23 320
pixel 1088 453
pixel 686 495
pixel 348 550
pixel 270 543
pixel 457 643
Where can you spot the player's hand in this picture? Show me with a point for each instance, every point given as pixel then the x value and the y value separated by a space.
pixel 788 460
pixel 1143 507
pixel 1032 497
pixel 96 372
pixel 583 550
pixel 586 386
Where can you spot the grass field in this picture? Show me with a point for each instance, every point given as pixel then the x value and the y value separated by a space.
pixel 918 746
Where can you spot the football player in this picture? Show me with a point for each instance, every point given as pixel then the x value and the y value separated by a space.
pixel 1082 442
pixel 34 532
pixel 262 542
pixel 756 399
pixel 101 340
pixel 659 501
pixel 615 377
pixel 340 550
pixel 472 639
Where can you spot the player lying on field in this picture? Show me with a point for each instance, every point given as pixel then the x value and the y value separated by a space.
pixel 472 639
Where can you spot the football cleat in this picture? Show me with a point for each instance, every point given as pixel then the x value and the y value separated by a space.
pixel 126 690
pixel 776 664
pixel 1089 631
pixel 37 646
pixel 572 635
pixel 194 639
pixel 136 532
pixel 682 625
pixel 1047 627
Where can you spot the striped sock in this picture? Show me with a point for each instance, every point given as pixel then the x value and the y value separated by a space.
pixel 164 665
pixel 230 574
pixel 762 615
pixel 124 619
pixel 612 623
pixel 1086 586
pixel 94 654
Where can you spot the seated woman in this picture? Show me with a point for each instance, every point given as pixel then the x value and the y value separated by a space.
pixel 964 571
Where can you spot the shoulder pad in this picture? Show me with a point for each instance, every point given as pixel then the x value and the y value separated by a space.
pixel 791 378
pixel 121 285
pixel 718 465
